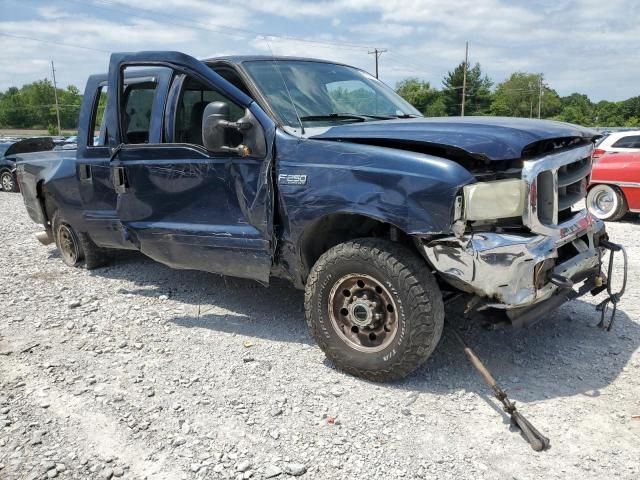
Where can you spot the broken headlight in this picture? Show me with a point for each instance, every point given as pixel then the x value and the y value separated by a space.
pixel 493 200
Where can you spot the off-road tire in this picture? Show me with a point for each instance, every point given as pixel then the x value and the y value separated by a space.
pixel 8 178
pixel 89 254
pixel 620 206
pixel 414 289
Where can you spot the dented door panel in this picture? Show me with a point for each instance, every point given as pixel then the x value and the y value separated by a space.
pixel 188 210
pixel 191 209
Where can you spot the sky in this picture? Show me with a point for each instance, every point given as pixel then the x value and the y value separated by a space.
pixel 585 46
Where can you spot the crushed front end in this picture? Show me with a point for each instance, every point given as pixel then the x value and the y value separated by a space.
pixel 519 246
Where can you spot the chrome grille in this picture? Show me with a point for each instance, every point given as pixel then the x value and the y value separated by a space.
pixel 555 183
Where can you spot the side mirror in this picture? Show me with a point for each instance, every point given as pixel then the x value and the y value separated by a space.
pixel 217 138
pixel 214 117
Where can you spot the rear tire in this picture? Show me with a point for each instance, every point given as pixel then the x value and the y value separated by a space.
pixel 8 181
pixel 76 249
pixel 374 308
pixel 607 202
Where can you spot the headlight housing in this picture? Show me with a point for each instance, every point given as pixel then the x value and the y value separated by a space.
pixel 494 200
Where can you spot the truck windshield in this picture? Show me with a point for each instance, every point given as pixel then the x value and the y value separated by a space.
pixel 325 93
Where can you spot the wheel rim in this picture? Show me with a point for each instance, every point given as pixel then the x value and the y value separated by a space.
pixel 363 313
pixel 7 182
pixel 68 244
pixel 602 202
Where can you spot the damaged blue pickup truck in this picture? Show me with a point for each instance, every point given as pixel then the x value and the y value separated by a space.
pixel 316 172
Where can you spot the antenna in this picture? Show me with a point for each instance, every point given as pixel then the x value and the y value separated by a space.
pixel 286 87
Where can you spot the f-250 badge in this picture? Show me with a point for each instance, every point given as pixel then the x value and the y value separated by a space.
pixel 284 179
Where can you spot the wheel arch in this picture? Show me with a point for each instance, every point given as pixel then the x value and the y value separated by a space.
pixel 332 229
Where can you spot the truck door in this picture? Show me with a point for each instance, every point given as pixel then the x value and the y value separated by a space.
pixel 93 168
pixel 179 203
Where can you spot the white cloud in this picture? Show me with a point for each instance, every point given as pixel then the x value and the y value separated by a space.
pixel 580 45
pixel 383 30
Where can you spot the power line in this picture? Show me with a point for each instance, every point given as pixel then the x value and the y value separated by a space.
pixel 52 42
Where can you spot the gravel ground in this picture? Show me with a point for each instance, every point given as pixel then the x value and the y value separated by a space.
pixel 140 371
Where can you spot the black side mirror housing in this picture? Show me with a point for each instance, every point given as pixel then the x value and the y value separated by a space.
pixel 215 115
pixel 215 137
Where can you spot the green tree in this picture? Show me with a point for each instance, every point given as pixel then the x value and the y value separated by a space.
pixel 70 101
pixel 477 93
pixel 33 106
pixel 632 122
pixel 425 98
pixel 577 108
pixel 631 108
pixel 518 97
pixel 609 114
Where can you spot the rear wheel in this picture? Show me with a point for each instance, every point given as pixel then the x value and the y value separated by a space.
pixel 76 248
pixel 8 181
pixel 607 202
pixel 374 308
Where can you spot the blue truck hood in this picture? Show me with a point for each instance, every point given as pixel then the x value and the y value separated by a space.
pixel 493 138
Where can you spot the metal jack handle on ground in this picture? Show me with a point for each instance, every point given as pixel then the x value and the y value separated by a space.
pixel 537 441
pixel 613 298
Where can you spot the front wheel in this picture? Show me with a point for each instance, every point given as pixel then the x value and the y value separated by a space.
pixel 374 308
pixel 8 181
pixel 607 202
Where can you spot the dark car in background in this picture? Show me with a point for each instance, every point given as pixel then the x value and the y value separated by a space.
pixel 7 170
pixel 8 153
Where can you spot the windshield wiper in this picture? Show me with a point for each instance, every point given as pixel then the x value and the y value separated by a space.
pixel 344 116
pixel 406 115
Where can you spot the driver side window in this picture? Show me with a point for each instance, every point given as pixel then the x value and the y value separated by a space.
pixel 193 99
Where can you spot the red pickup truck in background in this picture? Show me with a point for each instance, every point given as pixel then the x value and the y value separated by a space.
pixel 615 185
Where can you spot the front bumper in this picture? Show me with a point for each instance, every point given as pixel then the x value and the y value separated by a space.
pixel 511 271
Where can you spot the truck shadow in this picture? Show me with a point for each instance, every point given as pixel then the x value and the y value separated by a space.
pixel 564 355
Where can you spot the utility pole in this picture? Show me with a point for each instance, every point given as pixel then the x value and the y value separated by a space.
pixel 377 52
pixel 464 78
pixel 540 92
pixel 55 93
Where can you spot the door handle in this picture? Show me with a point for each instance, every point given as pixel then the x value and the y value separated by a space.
pixel 120 179
pixel 84 172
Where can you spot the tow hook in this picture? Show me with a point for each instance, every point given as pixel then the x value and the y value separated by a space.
pixel 612 297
